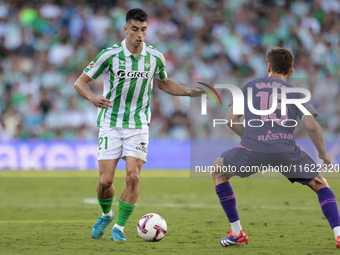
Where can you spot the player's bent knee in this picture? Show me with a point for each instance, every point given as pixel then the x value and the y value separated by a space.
pixel 318 183
pixel 214 175
pixel 220 171
pixel 222 175
pixel 132 180
pixel 105 184
pixel 322 183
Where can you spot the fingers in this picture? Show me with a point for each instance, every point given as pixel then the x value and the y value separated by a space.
pixel 196 93
pixel 326 161
pixel 101 102
pixel 108 105
pixel 104 106
pixel 105 103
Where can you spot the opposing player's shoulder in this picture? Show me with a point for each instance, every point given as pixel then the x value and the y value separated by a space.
pixel 250 83
pixel 267 82
pixel 257 80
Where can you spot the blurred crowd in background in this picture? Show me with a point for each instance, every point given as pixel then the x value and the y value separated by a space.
pixel 45 45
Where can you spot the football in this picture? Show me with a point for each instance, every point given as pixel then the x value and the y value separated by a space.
pixel 151 227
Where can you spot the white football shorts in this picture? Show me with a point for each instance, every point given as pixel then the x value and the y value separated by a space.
pixel 117 142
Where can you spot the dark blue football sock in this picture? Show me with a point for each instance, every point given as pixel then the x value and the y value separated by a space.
pixel 227 199
pixel 329 206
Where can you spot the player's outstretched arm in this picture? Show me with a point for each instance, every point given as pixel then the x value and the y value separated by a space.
pixel 173 88
pixel 315 133
pixel 81 85
pixel 231 118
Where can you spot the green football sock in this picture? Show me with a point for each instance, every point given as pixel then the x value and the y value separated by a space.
pixel 105 204
pixel 125 211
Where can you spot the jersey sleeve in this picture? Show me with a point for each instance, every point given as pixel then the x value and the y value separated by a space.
pixel 160 72
pixel 98 65
pixel 309 108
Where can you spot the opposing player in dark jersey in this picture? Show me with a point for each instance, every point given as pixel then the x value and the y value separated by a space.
pixel 273 144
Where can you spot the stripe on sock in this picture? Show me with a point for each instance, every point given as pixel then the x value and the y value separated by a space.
pixel 330 200
pixel 222 199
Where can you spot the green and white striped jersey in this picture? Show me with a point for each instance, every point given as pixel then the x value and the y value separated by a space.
pixel 128 84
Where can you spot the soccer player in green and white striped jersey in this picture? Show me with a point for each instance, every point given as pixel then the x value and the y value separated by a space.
pixel 129 69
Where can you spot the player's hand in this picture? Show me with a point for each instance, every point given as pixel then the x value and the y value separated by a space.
pixel 326 158
pixel 101 102
pixel 196 92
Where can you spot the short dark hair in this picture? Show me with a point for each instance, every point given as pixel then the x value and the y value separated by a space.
pixel 137 14
pixel 281 60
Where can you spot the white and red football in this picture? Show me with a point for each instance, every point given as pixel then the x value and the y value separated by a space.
pixel 152 227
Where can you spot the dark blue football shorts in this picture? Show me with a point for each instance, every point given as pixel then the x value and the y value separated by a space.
pixel 296 165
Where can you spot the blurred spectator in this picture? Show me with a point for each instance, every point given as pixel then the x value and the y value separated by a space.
pixel 178 123
pixel 45 103
pixel 25 49
pixel 11 121
pixel 4 133
pixel 50 10
pixel 98 25
pixel 60 52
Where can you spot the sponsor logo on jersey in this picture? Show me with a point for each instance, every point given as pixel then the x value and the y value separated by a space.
pixel 273 136
pixel 133 74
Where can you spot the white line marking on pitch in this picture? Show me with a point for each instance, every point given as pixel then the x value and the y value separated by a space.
pixel 285 207
pixel 94 201
pixel 46 221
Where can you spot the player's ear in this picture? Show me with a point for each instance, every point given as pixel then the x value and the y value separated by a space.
pixel 290 72
pixel 269 68
pixel 125 29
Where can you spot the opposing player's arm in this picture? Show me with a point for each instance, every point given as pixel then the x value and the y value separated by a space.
pixel 314 130
pixel 81 85
pixel 315 133
pixel 231 118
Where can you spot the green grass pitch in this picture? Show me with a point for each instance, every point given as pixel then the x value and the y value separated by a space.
pixel 45 213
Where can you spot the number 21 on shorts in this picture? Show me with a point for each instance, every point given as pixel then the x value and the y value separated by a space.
pixel 101 139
